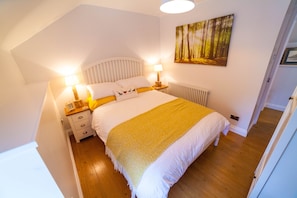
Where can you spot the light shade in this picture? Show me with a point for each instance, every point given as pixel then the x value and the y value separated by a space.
pixel 158 68
pixel 177 6
pixel 71 80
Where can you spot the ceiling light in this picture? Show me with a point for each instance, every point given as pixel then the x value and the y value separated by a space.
pixel 177 6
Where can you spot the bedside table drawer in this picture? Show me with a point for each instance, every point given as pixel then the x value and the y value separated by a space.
pixel 80 134
pixel 80 116
pixel 82 124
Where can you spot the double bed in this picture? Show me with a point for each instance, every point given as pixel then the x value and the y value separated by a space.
pixel 151 137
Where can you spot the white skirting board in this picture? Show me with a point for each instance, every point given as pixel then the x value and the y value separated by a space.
pixel 275 107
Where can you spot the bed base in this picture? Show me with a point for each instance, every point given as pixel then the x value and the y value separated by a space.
pixel 114 69
pixel 216 142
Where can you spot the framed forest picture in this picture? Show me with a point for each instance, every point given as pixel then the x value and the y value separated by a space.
pixel 206 42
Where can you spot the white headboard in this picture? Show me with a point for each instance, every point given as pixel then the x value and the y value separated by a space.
pixel 113 69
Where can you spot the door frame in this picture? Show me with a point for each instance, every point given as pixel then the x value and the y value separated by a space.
pixel 279 47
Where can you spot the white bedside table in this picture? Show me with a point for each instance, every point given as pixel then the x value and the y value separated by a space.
pixel 80 122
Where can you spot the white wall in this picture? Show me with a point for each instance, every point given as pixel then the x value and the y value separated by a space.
pixel 57 158
pixel 20 108
pixel 233 89
pixel 29 122
pixel 283 86
pixel 11 78
pixel 284 81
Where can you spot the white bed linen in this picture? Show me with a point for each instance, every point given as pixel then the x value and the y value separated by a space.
pixel 171 165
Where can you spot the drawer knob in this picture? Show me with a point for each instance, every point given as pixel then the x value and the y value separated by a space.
pixel 80 117
pixel 86 132
pixel 83 125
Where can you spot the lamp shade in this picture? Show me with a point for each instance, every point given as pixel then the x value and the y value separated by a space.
pixel 158 68
pixel 177 6
pixel 71 80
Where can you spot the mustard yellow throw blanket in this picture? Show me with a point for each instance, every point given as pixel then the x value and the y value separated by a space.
pixel 139 141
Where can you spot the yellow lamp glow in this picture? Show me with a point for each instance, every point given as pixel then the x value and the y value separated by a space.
pixel 158 68
pixel 73 81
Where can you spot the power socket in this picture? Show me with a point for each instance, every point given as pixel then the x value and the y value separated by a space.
pixel 234 117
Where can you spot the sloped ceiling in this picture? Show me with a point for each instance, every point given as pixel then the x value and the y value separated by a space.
pixel 82 36
pixel 21 19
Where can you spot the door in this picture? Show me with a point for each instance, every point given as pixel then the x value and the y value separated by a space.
pixel 276 172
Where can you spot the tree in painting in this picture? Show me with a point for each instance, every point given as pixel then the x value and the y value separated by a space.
pixel 205 42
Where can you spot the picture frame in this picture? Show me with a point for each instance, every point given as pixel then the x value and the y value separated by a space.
pixel 70 106
pixel 206 42
pixel 289 56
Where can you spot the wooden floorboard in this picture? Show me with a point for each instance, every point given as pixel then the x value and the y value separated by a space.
pixel 223 171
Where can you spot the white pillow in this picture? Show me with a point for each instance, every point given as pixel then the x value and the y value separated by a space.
pixel 136 82
pixel 102 90
pixel 123 94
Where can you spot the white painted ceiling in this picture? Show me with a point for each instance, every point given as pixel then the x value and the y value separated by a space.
pixel 21 19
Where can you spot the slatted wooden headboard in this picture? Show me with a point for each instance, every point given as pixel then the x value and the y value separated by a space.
pixel 113 69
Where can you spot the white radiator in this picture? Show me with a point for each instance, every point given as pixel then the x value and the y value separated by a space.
pixel 194 94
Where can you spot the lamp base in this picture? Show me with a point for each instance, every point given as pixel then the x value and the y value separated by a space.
pixel 78 103
pixel 158 83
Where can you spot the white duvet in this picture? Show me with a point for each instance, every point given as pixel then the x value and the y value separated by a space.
pixel 171 165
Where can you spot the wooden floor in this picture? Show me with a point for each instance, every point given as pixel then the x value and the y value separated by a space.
pixel 223 171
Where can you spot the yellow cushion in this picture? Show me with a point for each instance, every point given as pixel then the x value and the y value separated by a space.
pixel 143 89
pixel 93 104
